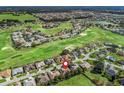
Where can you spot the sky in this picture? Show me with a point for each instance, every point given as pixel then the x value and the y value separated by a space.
pixel 61 2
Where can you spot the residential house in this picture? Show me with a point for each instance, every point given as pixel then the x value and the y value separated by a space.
pixel 18 83
pixel 49 61
pixel 111 58
pixel 111 49
pixel 120 52
pixel 102 53
pixel 49 25
pixel 85 65
pixel 111 73
pixel 121 81
pixel 81 51
pixel 58 59
pixel 28 38
pixel 75 54
pixel 98 68
pixel 16 71
pixel 64 71
pixel 5 73
pixel 42 79
pixel 65 36
pixel 66 58
pixel 121 62
pixel 53 74
pixel 40 64
pixel 110 45
pixel 29 67
pixel 29 82
pixel 73 66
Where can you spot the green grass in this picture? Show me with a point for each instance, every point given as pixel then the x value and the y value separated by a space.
pixel 20 17
pixel 38 53
pixel 2 80
pixel 53 31
pixel 20 75
pixel 41 52
pixel 78 80
pixel 96 76
pixel 117 57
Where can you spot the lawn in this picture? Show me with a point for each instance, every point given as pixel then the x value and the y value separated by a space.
pixel 38 53
pixel 116 56
pixel 78 80
pixel 20 17
pixel 52 31
pixel 10 57
pixel 2 80
pixel 97 77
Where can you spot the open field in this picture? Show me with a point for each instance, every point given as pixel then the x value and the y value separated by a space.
pixel 78 80
pixel 10 57
pixel 52 31
pixel 81 80
pixel 97 77
pixel 19 17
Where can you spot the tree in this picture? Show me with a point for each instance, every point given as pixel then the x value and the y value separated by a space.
pixel 80 70
pixel 98 69
pixel 65 52
pixel 72 73
pixel 33 44
pixel 97 81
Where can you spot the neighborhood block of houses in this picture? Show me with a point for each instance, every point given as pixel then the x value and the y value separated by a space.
pixel 97 58
pixel 30 38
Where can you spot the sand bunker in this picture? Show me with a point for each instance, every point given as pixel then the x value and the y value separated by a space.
pixel 70 47
pixel 6 48
pixel 83 34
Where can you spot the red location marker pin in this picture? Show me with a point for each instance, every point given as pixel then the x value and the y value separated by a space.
pixel 65 64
